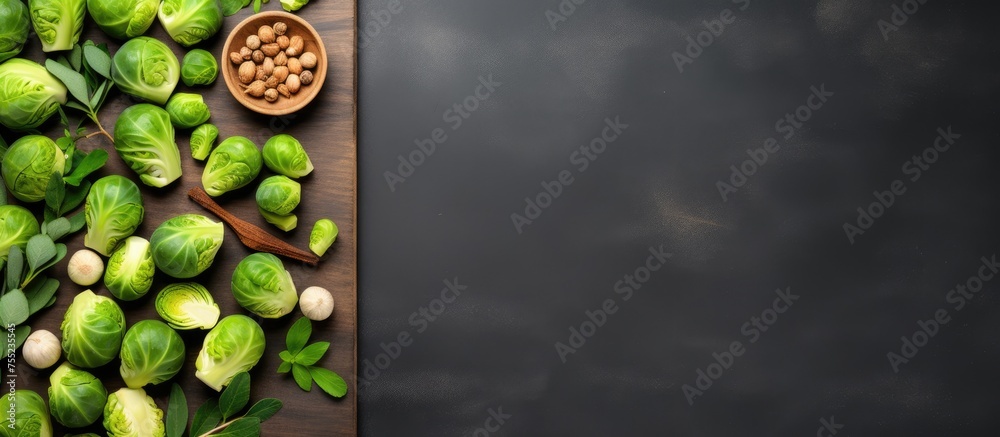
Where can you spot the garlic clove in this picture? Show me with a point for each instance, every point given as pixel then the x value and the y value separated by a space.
pixel 316 303
pixel 41 349
pixel 85 267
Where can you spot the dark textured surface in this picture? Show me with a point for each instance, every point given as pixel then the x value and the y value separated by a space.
pixel 494 345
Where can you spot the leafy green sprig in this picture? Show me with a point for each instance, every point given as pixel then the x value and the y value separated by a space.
pixel 301 359
pixel 217 417
pixel 86 72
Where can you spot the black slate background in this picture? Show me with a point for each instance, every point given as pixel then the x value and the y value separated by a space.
pixel 494 345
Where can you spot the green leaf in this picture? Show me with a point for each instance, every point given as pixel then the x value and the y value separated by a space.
pixel 264 409
pixel 40 250
pixel 302 378
pixel 39 293
pixel 206 418
pixel 60 254
pixel 312 353
pixel 78 221
pixel 20 334
pixel 243 427
pixel 76 57
pixel 74 81
pixel 256 6
pixel 55 192
pixel 15 267
pixel 77 105
pixel 74 197
pixel 13 308
pixel 284 367
pixel 95 99
pixel 98 60
pixel 91 163
pixel 235 396
pixel 177 412
pixel 329 381
pixel 57 228
pixel 298 335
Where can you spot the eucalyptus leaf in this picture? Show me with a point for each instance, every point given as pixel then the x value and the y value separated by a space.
pixel 13 308
pixel 177 412
pixel 235 396
pixel 206 418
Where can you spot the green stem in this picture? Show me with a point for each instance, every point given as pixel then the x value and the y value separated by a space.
pixel 93 117
pixel 219 428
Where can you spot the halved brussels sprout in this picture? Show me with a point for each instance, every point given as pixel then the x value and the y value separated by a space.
pixel 16 24
pixel 151 353
pixel 113 211
pixel 144 137
pixel 185 246
pixel 92 330
pixel 29 94
pixel 145 68
pixel 323 234
pixel 202 140
pixel 76 397
pixel 232 165
pixel 263 286
pixel 130 270
pixel 191 21
pixel 123 19
pixel 234 345
pixel 187 110
pixel 29 164
pixel 17 225
pixel 130 412
pixel 30 417
pixel 58 23
pixel 283 154
pixel 199 68
pixel 187 306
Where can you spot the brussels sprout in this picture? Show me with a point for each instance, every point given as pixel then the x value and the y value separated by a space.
pixel 283 154
pixel 283 222
pixel 17 225
pixel 145 68
pixel 29 94
pixel 130 271
pixel 14 32
pixel 190 22
pixel 76 397
pixel 123 19
pixel 187 110
pixel 232 165
pixel 202 140
pixel 151 353
pixel 113 212
pixel 144 138
pixel 184 246
pixel 92 330
pixel 263 286
pixel 278 195
pixel 199 68
pixel 30 417
pixel 131 413
pixel 58 23
pixel 29 164
pixel 187 306
pixel 293 5
pixel 323 234
pixel 234 345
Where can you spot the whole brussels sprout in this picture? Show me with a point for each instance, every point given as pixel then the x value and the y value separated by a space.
pixel 263 286
pixel 113 211
pixel 29 94
pixel 202 140
pixel 187 306
pixel 187 110
pixel 58 23
pixel 190 22
pixel 130 270
pixel 151 353
pixel 17 225
pixel 123 19
pixel 130 412
pixel 145 68
pixel 76 397
pixel 323 234
pixel 185 246
pixel 144 138
pixel 29 164
pixel 232 165
pixel 284 155
pixel 31 418
pixel 14 32
pixel 199 68
pixel 279 195
pixel 234 345
pixel 92 330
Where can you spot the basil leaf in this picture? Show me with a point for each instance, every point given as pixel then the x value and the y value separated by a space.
pixel 298 335
pixel 284 367
pixel 330 382
pixel 302 378
pixel 312 353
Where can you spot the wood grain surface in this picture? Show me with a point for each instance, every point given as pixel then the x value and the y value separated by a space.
pixel 327 129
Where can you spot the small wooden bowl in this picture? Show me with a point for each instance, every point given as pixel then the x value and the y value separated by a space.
pixel 296 26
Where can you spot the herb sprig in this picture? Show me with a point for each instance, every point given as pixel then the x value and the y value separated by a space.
pixel 86 72
pixel 217 417
pixel 301 359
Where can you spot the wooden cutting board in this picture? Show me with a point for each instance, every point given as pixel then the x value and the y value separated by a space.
pixel 327 129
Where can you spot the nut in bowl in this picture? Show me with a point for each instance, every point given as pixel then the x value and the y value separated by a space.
pixel 274 63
